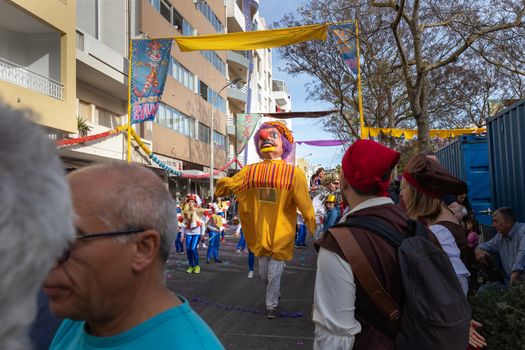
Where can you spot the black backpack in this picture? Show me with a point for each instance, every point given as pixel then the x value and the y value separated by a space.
pixel 435 314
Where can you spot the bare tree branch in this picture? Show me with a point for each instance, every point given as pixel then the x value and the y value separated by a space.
pixel 475 36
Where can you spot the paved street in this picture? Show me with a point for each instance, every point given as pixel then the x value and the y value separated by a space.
pixel 234 305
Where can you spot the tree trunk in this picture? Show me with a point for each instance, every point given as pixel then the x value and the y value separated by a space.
pixel 422 132
pixel 422 121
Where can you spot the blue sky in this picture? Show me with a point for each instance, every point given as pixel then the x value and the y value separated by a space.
pixel 304 129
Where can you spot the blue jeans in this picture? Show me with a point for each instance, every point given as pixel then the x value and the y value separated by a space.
pixel 214 244
pixel 300 238
pixel 242 242
pixel 251 260
pixel 192 241
pixel 179 247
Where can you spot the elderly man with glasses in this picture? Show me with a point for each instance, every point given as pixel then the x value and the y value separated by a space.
pixel 109 284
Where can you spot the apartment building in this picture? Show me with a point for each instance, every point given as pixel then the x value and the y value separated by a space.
pixel 243 15
pixel 37 60
pixel 68 59
pixel 281 96
pixel 102 33
pixel 180 134
pixel 195 91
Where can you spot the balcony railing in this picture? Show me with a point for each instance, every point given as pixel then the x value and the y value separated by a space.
pixel 242 53
pixel 19 75
pixel 241 88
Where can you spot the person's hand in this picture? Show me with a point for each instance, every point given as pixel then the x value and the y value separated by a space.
pixel 515 276
pixel 481 255
pixel 474 338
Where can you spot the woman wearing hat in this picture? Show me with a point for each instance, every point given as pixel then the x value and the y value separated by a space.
pixel 424 183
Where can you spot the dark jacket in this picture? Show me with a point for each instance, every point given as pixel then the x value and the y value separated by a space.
pixel 376 333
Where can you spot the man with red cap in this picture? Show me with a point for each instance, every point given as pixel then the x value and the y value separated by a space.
pixel 343 315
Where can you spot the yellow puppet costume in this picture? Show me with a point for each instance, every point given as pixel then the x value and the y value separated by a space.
pixel 269 194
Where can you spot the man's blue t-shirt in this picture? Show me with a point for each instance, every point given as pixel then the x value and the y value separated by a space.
pixel 176 328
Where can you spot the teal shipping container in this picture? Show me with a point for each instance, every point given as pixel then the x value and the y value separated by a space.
pixel 467 158
pixel 507 158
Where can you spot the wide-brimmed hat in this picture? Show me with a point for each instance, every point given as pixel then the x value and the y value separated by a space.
pixel 427 176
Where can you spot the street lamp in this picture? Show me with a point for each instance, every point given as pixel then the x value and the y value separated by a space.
pixel 212 161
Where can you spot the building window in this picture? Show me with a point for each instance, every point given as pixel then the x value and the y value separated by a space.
pixel 165 10
pixel 182 74
pixel 106 118
pixel 203 90
pixel 212 97
pixel 204 133
pixel 84 111
pixel 155 4
pixel 173 16
pixel 207 12
pixel 219 140
pixel 215 60
pixel 187 28
pixel 177 20
pixel 173 119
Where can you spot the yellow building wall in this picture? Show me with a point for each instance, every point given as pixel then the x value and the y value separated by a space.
pixel 53 113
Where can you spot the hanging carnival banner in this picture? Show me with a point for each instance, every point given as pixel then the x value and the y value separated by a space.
pixel 346 37
pixel 150 60
pixel 246 124
pixel 346 41
pixel 411 133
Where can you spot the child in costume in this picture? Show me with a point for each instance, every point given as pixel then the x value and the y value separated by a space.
pixel 192 230
pixel 214 228
pixel 242 245
pixel 179 247
pixel 331 215
pixel 269 192
pixel 300 236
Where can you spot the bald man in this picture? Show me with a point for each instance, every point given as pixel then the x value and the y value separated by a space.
pixel 109 285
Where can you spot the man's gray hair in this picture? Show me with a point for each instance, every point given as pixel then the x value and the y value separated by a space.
pixel 140 200
pixel 507 213
pixel 36 221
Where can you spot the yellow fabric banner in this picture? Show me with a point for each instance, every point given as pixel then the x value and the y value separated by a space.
pixel 253 40
pixel 397 132
pixel 411 133
pixel 365 133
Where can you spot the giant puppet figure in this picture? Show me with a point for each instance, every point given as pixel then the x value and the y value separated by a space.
pixel 269 193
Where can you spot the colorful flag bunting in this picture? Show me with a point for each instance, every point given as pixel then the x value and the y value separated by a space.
pixel 345 38
pixel 150 60
pixel 246 124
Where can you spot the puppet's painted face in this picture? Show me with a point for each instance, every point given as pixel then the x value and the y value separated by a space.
pixel 270 143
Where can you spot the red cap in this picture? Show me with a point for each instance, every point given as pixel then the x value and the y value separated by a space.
pixel 365 163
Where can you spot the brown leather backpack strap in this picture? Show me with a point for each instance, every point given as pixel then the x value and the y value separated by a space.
pixel 365 274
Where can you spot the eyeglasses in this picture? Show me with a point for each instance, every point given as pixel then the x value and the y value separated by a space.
pixel 81 236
